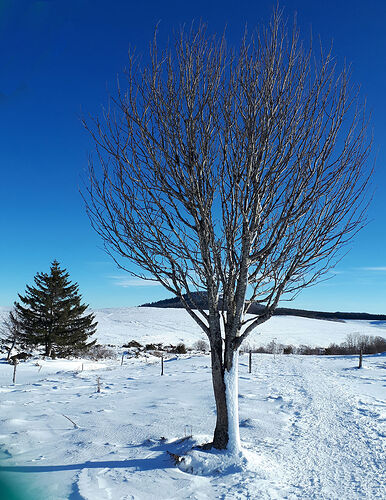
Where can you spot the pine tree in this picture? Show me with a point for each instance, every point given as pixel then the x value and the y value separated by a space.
pixel 51 314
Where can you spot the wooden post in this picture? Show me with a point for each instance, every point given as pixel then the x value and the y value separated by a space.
pixel 360 358
pixel 250 362
pixel 98 384
pixel 14 371
pixel 162 364
pixel 123 354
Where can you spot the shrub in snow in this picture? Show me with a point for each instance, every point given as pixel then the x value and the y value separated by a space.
pixel 181 348
pixel 22 356
pixel 133 344
pixel 201 346
pixel 98 352
pixel 154 347
pixel 174 349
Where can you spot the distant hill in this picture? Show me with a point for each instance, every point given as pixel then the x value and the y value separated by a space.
pixel 200 299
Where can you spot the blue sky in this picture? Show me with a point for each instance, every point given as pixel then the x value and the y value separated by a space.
pixel 58 60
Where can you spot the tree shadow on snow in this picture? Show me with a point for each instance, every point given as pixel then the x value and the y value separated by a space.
pixel 159 462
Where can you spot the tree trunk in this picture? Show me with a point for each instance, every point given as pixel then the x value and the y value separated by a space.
pixel 225 387
pixel 48 349
pixel 10 349
pixel 220 438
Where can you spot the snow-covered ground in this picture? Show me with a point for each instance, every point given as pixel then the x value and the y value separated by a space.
pixel 147 325
pixel 171 326
pixel 311 427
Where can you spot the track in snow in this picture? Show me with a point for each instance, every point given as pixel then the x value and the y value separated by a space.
pixel 331 447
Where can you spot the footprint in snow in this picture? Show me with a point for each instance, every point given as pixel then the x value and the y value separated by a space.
pixel 277 399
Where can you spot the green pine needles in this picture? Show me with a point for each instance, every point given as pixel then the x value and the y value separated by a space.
pixel 51 315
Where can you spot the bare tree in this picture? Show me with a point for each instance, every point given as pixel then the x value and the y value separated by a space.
pixel 10 334
pixel 240 173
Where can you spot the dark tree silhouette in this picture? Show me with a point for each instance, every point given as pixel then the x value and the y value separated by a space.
pixel 239 173
pixel 51 314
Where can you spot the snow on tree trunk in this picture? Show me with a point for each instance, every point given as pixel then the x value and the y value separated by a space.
pixel 231 379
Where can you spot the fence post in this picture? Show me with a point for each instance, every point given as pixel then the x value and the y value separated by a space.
pixel 14 371
pixel 123 354
pixel 250 361
pixel 162 364
pixel 360 358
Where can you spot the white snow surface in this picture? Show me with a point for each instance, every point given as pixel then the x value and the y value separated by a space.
pixel 148 325
pixel 310 427
pixel 171 326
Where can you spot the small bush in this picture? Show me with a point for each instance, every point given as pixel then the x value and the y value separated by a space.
pixel 133 343
pixel 97 352
pixel 154 347
pixel 21 356
pixel 201 346
pixel 181 348
pixel 288 349
pixel 176 349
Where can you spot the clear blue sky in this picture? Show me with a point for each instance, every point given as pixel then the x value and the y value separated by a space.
pixel 59 58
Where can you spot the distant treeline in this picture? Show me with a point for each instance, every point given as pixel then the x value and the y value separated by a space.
pixel 199 299
pixel 353 344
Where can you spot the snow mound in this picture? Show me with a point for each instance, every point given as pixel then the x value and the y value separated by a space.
pixel 215 462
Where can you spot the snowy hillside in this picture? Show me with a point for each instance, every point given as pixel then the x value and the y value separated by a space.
pixel 118 326
pixel 171 326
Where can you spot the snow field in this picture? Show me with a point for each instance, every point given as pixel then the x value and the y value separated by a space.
pixel 311 428
pixel 148 325
pixel 171 326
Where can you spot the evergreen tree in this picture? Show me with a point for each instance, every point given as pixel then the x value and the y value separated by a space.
pixel 51 314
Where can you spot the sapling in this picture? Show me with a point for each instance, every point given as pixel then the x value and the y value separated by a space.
pixel 73 423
